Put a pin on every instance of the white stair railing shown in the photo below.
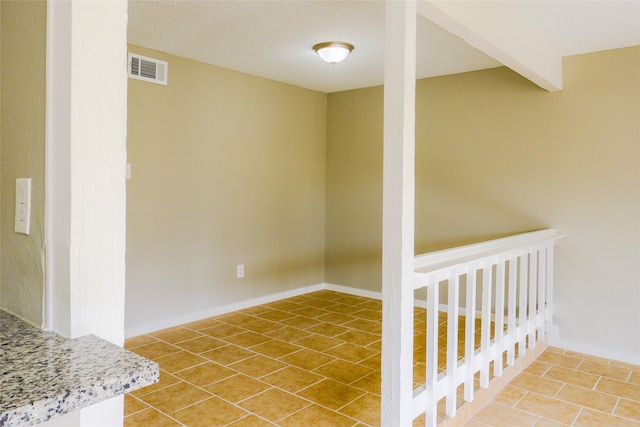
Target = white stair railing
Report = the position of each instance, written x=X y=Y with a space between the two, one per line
x=515 y=278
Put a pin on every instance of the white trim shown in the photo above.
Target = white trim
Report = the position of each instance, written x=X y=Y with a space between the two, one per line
x=216 y=311
x=353 y=291
x=605 y=353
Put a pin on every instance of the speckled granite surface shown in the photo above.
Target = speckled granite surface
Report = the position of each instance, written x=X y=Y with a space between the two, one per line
x=43 y=375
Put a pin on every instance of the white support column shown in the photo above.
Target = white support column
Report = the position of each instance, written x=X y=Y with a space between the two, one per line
x=398 y=213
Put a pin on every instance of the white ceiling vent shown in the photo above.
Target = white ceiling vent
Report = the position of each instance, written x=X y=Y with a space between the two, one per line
x=147 y=69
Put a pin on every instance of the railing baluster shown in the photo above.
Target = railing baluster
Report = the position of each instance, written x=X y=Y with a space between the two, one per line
x=470 y=334
x=511 y=313
x=548 y=312
x=542 y=287
x=433 y=296
x=485 y=335
x=533 y=293
x=522 y=307
x=499 y=322
x=453 y=311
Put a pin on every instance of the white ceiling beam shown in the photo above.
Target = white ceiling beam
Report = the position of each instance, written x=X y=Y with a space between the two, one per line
x=497 y=30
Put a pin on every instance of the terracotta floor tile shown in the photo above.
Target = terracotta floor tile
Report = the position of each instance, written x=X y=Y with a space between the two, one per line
x=292 y=379
x=133 y=405
x=358 y=337
x=205 y=374
x=201 y=344
x=275 y=348
x=274 y=404
x=156 y=350
x=365 y=326
x=311 y=312
x=287 y=305
x=376 y=345
x=227 y=355
x=351 y=352
x=628 y=409
x=341 y=308
x=510 y=396
x=318 y=303
x=175 y=397
x=558 y=359
x=328 y=329
x=365 y=409
x=236 y=318
x=588 y=398
x=133 y=342
x=175 y=335
x=343 y=371
x=571 y=376
x=178 y=361
x=537 y=384
x=635 y=377
x=261 y=326
x=537 y=368
x=368 y=314
x=336 y=318
x=288 y=334
x=202 y=324
x=300 y=322
x=372 y=383
x=605 y=370
x=495 y=414
x=316 y=416
x=237 y=388
x=548 y=407
x=589 y=418
x=318 y=342
x=275 y=315
x=252 y=421
x=371 y=305
x=222 y=330
x=247 y=339
x=331 y=394
x=307 y=359
x=150 y=417
x=166 y=379
x=257 y=366
x=620 y=389
x=212 y=412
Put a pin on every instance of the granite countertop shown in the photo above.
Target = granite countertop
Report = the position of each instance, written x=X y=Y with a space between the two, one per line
x=43 y=374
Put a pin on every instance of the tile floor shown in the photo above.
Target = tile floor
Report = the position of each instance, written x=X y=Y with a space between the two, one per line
x=314 y=360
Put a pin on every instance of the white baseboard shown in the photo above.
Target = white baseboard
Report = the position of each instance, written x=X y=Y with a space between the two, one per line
x=605 y=353
x=216 y=311
x=353 y=291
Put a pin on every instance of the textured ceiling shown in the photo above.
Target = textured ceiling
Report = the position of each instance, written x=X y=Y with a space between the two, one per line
x=273 y=39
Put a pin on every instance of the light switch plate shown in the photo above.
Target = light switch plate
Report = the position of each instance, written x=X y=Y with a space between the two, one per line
x=23 y=205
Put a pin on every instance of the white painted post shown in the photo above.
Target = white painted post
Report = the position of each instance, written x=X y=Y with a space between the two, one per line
x=398 y=213
x=499 y=322
x=522 y=306
x=511 y=313
x=533 y=293
x=542 y=288
x=470 y=334
x=485 y=335
x=433 y=298
x=453 y=312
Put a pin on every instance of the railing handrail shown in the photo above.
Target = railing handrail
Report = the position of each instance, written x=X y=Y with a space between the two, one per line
x=437 y=260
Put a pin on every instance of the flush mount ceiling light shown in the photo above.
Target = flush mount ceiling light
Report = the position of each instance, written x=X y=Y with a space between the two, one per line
x=333 y=52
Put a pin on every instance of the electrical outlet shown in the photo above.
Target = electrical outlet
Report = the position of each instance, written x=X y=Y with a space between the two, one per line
x=23 y=205
x=240 y=271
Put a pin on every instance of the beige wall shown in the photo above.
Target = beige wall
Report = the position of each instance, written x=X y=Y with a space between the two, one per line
x=227 y=169
x=23 y=36
x=496 y=155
